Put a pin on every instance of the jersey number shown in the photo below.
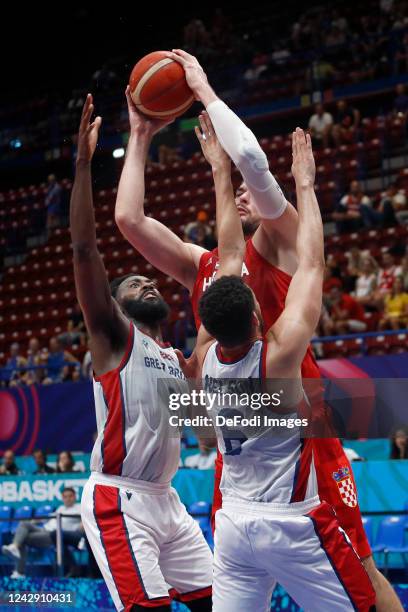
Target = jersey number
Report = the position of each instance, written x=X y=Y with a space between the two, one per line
x=233 y=438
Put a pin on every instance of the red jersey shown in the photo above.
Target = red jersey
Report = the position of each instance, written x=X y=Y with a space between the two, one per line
x=270 y=285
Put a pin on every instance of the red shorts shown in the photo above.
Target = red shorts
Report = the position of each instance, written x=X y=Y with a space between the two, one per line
x=336 y=486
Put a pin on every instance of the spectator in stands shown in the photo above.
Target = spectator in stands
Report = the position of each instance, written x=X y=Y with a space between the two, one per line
x=12 y=375
x=259 y=66
x=386 y=275
x=33 y=361
x=320 y=126
x=331 y=279
x=65 y=463
x=346 y=122
x=40 y=459
x=355 y=260
x=56 y=362
x=320 y=74
x=366 y=283
x=30 y=533
x=346 y=314
x=351 y=210
x=395 y=315
x=195 y=230
x=280 y=55
x=399 y=444
x=53 y=202
x=398 y=201
x=75 y=333
x=204 y=460
x=9 y=467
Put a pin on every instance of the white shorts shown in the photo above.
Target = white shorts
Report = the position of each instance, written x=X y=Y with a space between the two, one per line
x=148 y=548
x=307 y=553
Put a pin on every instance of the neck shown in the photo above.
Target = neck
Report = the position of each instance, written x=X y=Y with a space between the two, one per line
x=236 y=351
x=154 y=331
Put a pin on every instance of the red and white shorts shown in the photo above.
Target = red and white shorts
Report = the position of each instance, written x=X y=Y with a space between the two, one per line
x=148 y=548
x=303 y=548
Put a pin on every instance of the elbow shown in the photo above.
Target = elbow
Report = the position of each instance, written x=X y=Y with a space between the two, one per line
x=251 y=156
x=127 y=223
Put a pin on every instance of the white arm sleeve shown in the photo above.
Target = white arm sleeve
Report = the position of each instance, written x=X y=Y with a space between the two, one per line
x=244 y=149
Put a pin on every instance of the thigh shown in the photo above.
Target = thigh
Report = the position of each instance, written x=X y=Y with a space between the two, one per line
x=126 y=552
x=186 y=559
x=322 y=571
x=39 y=538
x=239 y=584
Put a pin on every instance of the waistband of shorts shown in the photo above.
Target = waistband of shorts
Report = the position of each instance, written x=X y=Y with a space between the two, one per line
x=142 y=486
x=268 y=508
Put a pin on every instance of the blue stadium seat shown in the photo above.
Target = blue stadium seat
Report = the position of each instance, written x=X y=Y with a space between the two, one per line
x=43 y=512
x=391 y=538
x=368 y=528
x=5 y=514
x=24 y=512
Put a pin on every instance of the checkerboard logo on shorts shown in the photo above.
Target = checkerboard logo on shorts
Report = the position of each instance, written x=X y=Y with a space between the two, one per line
x=346 y=487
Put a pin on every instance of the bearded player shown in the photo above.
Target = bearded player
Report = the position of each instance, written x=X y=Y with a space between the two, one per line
x=272 y=526
x=270 y=224
x=148 y=548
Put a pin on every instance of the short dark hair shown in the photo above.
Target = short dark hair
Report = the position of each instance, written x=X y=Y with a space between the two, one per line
x=115 y=284
x=226 y=309
x=68 y=490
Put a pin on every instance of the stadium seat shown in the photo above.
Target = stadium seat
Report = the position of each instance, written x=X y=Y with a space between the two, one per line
x=368 y=528
x=5 y=516
x=43 y=511
x=391 y=538
x=23 y=512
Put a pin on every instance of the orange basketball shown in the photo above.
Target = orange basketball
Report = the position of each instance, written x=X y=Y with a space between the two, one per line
x=159 y=88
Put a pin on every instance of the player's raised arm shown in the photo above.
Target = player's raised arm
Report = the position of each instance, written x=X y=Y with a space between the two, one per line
x=231 y=243
x=293 y=330
x=107 y=327
x=242 y=146
x=158 y=244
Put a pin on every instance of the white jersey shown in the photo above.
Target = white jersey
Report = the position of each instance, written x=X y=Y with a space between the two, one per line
x=135 y=439
x=258 y=464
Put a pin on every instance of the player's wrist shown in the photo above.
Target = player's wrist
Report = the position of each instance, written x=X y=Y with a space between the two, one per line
x=220 y=168
x=205 y=94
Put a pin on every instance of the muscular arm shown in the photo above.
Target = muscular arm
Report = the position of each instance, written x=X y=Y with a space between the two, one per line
x=107 y=327
x=276 y=235
x=158 y=244
x=231 y=242
x=291 y=334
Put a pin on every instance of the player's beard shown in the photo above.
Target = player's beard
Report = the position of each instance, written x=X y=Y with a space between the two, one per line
x=149 y=312
x=249 y=227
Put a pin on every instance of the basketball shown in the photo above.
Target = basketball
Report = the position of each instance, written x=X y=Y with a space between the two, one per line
x=159 y=88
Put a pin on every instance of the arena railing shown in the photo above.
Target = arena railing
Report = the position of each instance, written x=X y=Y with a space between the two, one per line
x=363 y=336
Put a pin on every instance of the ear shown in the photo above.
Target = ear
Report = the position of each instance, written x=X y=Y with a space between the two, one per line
x=255 y=320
